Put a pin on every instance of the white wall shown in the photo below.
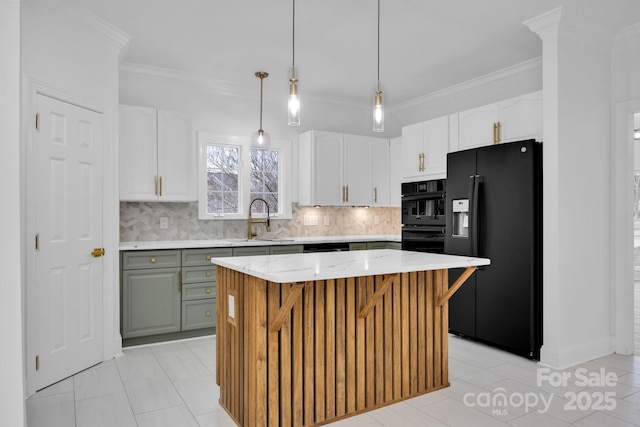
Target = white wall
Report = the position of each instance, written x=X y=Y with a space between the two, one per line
x=577 y=301
x=626 y=102
x=72 y=55
x=11 y=356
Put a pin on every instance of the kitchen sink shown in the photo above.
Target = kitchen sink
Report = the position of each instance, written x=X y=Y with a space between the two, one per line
x=275 y=240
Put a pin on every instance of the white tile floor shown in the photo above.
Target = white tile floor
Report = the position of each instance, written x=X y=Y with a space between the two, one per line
x=173 y=385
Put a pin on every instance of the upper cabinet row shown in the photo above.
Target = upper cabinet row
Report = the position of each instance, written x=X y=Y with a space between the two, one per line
x=337 y=169
x=157 y=155
x=425 y=145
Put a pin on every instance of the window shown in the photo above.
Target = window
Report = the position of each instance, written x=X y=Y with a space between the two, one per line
x=222 y=179
x=226 y=187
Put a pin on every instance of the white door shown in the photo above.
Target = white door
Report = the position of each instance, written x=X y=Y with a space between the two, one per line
x=67 y=294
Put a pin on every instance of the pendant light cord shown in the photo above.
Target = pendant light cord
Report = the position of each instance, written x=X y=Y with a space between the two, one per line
x=293 y=37
x=261 y=79
x=378 y=43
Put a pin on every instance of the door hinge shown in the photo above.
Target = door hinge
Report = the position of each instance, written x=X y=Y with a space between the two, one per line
x=37 y=242
x=37 y=363
x=37 y=120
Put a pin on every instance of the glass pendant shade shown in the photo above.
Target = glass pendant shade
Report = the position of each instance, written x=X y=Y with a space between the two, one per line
x=294 y=101
x=261 y=139
x=378 y=111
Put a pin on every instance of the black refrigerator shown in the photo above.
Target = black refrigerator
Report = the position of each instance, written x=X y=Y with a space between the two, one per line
x=494 y=210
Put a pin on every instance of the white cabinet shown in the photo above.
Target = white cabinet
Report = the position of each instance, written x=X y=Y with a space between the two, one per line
x=380 y=172
x=395 y=171
x=357 y=170
x=513 y=119
x=157 y=155
x=424 y=149
x=338 y=170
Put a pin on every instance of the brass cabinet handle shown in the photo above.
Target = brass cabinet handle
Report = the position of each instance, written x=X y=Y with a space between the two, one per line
x=343 y=193
x=208 y=257
x=161 y=186
x=495 y=134
x=499 y=132
x=152 y=260
x=375 y=194
x=97 y=252
x=347 y=198
x=208 y=314
x=179 y=282
x=419 y=162
x=208 y=274
x=155 y=185
x=208 y=291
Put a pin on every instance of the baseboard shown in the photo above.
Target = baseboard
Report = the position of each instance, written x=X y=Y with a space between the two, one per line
x=566 y=357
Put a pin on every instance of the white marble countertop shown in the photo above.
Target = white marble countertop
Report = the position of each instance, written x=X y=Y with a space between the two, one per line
x=336 y=265
x=186 y=244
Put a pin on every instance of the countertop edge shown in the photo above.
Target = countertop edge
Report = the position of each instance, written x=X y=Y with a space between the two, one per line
x=338 y=265
x=225 y=243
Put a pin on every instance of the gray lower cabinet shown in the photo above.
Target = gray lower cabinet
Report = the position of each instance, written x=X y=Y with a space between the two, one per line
x=171 y=291
x=199 y=287
x=285 y=249
x=150 y=293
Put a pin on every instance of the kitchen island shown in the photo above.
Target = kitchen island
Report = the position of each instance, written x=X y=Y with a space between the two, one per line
x=306 y=339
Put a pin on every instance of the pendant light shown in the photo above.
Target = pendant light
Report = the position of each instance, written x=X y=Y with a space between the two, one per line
x=294 y=99
x=378 y=108
x=261 y=139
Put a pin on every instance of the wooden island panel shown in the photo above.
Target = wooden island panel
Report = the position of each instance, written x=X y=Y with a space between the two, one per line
x=308 y=353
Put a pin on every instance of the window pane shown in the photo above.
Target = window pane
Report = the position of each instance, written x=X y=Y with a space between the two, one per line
x=264 y=179
x=222 y=179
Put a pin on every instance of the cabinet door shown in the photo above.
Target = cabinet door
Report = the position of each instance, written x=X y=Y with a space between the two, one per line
x=150 y=302
x=198 y=314
x=475 y=126
x=412 y=149
x=176 y=157
x=327 y=169
x=357 y=170
x=138 y=155
x=521 y=117
x=436 y=145
x=380 y=171
x=395 y=171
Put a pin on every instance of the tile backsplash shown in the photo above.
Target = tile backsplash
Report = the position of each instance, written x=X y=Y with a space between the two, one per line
x=140 y=221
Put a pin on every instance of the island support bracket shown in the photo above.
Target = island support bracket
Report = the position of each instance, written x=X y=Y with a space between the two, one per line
x=452 y=290
x=384 y=287
x=285 y=309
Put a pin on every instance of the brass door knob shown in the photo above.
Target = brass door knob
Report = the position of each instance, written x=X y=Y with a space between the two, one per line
x=97 y=252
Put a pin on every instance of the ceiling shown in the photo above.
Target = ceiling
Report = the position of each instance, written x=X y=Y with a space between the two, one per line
x=425 y=45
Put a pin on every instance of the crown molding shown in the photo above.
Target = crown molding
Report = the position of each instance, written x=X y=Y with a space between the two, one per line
x=130 y=70
x=112 y=37
x=627 y=35
x=528 y=66
x=141 y=71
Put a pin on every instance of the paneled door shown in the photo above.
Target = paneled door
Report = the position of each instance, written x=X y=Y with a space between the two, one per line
x=65 y=303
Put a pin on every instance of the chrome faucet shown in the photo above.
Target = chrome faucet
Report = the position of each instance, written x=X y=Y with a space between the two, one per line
x=267 y=222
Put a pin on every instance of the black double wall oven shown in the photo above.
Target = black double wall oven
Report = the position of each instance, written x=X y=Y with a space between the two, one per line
x=423 y=216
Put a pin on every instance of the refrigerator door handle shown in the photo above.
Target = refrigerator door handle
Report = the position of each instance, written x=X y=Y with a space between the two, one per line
x=472 y=204
x=474 y=231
